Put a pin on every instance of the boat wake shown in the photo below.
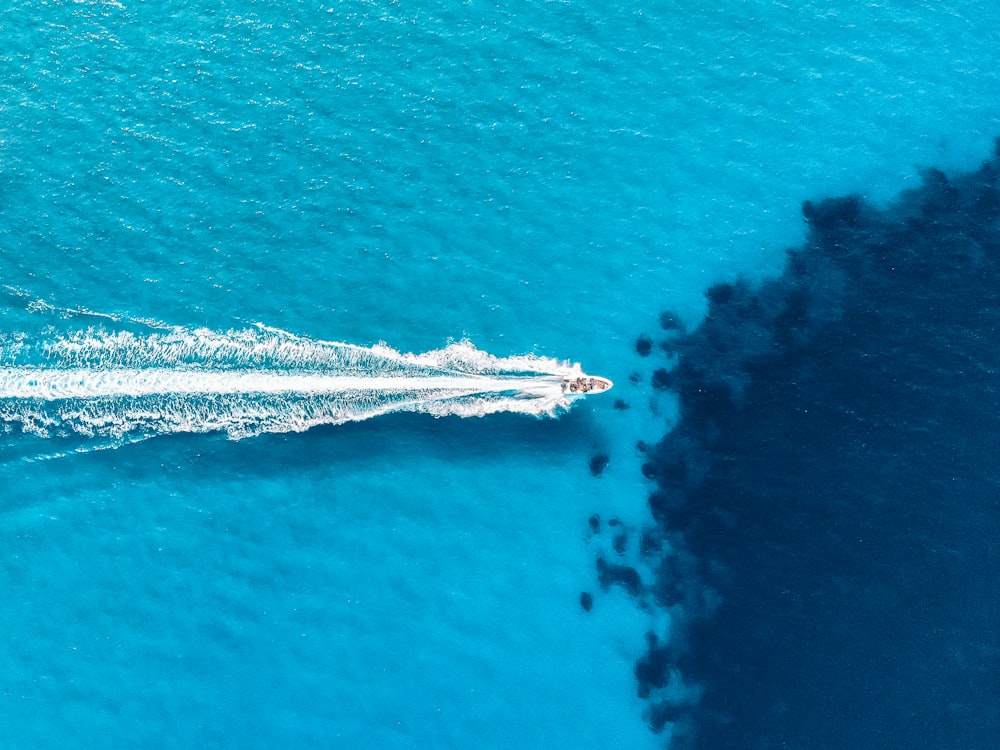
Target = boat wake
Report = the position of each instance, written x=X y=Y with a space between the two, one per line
x=110 y=382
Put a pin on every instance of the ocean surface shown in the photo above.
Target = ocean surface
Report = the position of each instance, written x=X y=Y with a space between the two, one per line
x=221 y=223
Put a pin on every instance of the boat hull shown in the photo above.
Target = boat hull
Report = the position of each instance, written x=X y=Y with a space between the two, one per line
x=585 y=385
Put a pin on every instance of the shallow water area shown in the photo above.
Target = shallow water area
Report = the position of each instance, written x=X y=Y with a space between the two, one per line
x=366 y=579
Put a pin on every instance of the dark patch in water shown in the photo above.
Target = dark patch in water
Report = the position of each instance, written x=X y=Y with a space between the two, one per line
x=653 y=669
x=662 y=379
x=649 y=544
x=609 y=574
x=620 y=404
x=833 y=475
x=643 y=346
x=620 y=543
x=586 y=601
x=670 y=322
x=598 y=464
x=595 y=523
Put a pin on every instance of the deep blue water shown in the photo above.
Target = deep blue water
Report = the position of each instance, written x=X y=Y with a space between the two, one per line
x=832 y=476
x=544 y=178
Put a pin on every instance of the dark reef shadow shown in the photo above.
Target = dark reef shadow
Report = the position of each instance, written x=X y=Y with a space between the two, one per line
x=833 y=475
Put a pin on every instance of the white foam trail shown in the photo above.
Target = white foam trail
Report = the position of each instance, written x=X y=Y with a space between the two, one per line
x=116 y=383
x=53 y=385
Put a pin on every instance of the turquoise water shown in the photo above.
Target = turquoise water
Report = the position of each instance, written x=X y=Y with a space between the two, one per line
x=538 y=178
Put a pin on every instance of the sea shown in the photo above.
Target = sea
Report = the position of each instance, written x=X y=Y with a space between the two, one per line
x=225 y=224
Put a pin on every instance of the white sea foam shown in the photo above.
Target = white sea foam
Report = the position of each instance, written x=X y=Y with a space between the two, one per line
x=100 y=382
